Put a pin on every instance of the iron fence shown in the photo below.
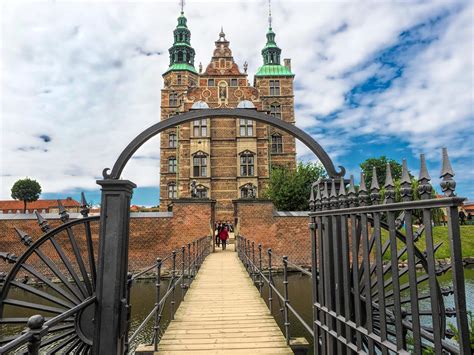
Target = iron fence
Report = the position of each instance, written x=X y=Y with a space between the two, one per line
x=375 y=276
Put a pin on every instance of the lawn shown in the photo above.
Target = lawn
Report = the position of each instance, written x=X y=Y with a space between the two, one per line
x=440 y=234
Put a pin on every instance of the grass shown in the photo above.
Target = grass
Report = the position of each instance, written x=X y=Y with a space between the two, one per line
x=440 y=235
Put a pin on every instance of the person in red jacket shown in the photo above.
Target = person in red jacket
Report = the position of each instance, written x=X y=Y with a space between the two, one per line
x=223 y=236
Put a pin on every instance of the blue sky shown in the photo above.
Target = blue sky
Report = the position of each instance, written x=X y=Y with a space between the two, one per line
x=80 y=80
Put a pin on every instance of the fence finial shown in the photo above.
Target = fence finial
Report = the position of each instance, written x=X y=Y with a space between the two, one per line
x=405 y=183
x=325 y=196
x=333 y=197
x=374 y=187
x=311 y=198
x=317 y=202
x=363 y=195
x=342 y=193
x=351 y=193
x=24 y=237
x=42 y=222
x=448 y=185
x=84 y=208
x=389 y=186
x=424 y=186
x=64 y=216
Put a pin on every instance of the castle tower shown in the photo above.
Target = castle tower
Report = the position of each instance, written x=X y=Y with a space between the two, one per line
x=224 y=158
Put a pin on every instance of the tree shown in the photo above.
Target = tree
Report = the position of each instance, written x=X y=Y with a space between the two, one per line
x=289 y=189
x=26 y=190
x=381 y=167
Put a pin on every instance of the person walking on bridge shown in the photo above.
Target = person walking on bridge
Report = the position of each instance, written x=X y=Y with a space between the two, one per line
x=223 y=236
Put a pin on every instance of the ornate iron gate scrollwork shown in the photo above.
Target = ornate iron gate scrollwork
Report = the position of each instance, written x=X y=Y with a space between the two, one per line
x=56 y=277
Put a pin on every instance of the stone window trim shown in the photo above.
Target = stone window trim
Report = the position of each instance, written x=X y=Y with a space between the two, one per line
x=200 y=128
x=276 y=143
x=211 y=82
x=172 y=190
x=234 y=82
x=246 y=127
x=275 y=110
x=247 y=163
x=274 y=87
x=201 y=191
x=172 y=165
x=179 y=79
x=248 y=190
x=200 y=163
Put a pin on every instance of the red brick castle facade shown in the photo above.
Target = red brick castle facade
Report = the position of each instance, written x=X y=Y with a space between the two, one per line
x=226 y=158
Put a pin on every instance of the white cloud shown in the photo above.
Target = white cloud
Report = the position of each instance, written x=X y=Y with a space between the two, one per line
x=76 y=72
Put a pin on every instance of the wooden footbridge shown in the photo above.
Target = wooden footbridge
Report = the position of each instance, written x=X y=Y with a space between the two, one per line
x=222 y=312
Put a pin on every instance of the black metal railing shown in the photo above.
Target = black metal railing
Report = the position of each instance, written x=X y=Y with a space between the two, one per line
x=263 y=275
x=185 y=263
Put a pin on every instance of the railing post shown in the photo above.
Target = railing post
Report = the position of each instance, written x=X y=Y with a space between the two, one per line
x=248 y=256
x=253 y=261
x=173 y=274
x=285 y=285
x=35 y=325
x=189 y=261
x=183 y=255
x=270 y=280
x=156 y=326
x=194 y=258
x=260 y=282
x=111 y=290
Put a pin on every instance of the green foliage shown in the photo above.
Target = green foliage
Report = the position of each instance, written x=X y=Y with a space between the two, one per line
x=455 y=330
x=381 y=166
x=26 y=190
x=290 y=189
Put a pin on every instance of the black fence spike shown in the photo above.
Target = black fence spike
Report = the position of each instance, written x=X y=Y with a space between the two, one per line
x=406 y=192
x=84 y=207
x=448 y=185
x=64 y=216
x=24 y=237
x=43 y=223
x=8 y=257
x=424 y=186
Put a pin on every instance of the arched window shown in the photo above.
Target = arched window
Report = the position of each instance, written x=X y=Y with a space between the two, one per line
x=246 y=127
x=275 y=110
x=201 y=191
x=245 y=104
x=172 y=165
x=180 y=56
x=172 y=140
x=200 y=164
x=172 y=190
x=248 y=191
x=199 y=105
x=200 y=128
x=246 y=164
x=277 y=144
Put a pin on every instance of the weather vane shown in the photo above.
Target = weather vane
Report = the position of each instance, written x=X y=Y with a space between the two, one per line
x=270 y=13
x=182 y=6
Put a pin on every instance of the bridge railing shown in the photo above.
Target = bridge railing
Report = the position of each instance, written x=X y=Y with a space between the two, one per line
x=260 y=265
x=184 y=263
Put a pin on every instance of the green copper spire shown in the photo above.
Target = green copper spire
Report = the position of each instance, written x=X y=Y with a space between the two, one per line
x=181 y=53
x=271 y=54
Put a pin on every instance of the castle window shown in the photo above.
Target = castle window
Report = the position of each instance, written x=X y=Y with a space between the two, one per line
x=274 y=87
x=201 y=192
x=200 y=165
x=173 y=99
x=275 y=110
x=246 y=164
x=233 y=82
x=178 y=79
x=172 y=190
x=172 y=165
x=200 y=128
x=172 y=140
x=246 y=127
x=180 y=56
x=248 y=191
x=210 y=82
x=277 y=144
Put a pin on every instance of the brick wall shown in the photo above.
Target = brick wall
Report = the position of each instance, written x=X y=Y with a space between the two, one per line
x=152 y=235
x=286 y=233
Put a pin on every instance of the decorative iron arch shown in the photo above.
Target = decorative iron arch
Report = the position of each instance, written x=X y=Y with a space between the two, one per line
x=211 y=113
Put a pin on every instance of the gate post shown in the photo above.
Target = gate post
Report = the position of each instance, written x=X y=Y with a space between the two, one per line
x=111 y=308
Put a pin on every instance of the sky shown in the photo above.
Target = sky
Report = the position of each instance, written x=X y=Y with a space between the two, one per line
x=79 y=80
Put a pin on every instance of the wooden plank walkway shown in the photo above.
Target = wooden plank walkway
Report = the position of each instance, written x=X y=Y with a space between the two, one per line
x=223 y=313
